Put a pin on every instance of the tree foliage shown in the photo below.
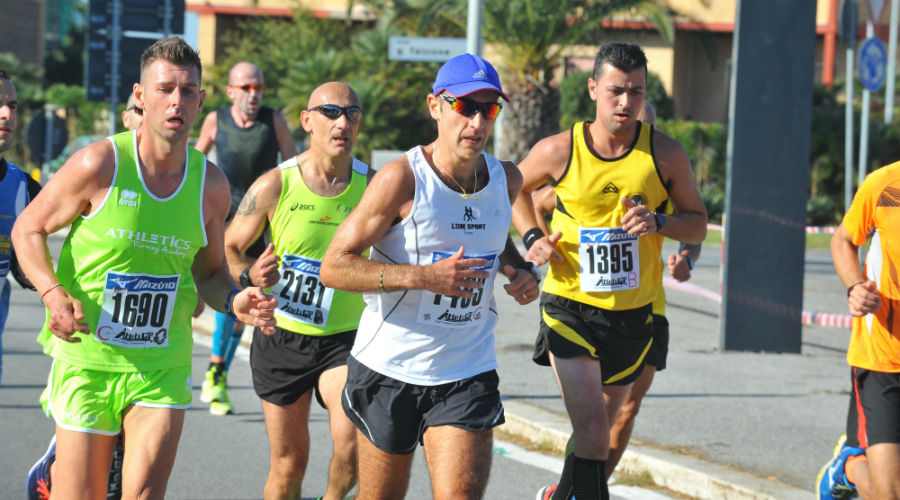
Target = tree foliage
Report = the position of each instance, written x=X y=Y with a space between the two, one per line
x=526 y=39
x=392 y=92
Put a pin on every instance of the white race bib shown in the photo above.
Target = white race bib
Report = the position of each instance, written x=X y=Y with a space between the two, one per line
x=609 y=260
x=456 y=312
x=301 y=295
x=137 y=309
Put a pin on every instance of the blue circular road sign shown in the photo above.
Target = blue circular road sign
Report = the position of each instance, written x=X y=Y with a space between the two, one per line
x=872 y=64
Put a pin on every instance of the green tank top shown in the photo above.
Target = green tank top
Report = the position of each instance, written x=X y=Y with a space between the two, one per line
x=129 y=264
x=303 y=225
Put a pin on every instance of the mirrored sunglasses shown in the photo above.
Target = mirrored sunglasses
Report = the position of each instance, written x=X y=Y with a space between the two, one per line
x=468 y=107
x=334 y=112
x=251 y=86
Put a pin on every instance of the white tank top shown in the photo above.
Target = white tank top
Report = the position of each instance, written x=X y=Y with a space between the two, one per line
x=416 y=336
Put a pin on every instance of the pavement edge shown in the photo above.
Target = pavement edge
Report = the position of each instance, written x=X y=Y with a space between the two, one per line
x=687 y=475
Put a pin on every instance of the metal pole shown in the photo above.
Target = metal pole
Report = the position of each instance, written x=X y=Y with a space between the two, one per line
x=864 y=120
x=473 y=28
x=848 y=132
x=115 y=36
x=48 y=140
x=167 y=19
x=891 y=64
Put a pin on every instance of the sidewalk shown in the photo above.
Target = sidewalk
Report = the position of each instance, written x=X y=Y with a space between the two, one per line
x=715 y=425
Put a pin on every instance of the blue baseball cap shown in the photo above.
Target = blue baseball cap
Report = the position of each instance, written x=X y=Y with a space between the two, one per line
x=465 y=74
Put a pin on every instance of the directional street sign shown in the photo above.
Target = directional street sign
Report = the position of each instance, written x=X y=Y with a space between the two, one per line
x=872 y=64
x=425 y=49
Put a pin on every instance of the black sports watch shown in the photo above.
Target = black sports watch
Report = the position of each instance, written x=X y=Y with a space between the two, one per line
x=660 y=221
x=245 y=278
x=531 y=268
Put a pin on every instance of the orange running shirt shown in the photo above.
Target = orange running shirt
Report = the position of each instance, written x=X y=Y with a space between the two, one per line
x=875 y=213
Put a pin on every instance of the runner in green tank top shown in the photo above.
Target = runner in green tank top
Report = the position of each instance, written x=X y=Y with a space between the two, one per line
x=304 y=201
x=119 y=303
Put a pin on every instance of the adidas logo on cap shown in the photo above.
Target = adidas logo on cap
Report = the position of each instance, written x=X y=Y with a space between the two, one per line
x=480 y=75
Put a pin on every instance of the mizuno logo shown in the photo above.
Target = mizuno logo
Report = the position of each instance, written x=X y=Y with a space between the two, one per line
x=122 y=282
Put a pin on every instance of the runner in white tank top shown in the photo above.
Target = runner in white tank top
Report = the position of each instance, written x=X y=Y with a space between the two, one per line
x=424 y=338
x=422 y=366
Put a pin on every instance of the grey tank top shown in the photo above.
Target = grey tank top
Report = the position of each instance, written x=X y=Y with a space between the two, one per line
x=245 y=153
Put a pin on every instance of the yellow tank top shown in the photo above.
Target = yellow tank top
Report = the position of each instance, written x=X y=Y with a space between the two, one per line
x=602 y=265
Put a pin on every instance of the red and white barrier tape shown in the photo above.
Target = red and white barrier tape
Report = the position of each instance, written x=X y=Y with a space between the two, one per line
x=807 y=318
x=828 y=319
x=820 y=229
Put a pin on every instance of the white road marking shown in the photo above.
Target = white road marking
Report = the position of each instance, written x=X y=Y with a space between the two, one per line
x=555 y=465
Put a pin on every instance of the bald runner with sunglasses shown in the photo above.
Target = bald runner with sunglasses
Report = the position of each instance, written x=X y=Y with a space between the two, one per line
x=302 y=202
x=423 y=368
x=247 y=137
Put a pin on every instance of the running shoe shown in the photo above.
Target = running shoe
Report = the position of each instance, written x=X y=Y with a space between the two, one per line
x=38 y=483
x=546 y=492
x=213 y=386
x=221 y=407
x=832 y=482
x=114 y=484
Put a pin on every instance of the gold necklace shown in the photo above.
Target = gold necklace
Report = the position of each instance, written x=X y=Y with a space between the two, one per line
x=464 y=194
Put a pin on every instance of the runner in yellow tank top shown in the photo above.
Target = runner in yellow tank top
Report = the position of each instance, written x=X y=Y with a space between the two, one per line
x=596 y=314
x=303 y=201
x=137 y=384
x=680 y=265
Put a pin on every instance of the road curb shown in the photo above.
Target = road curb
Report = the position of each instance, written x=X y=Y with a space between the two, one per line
x=687 y=475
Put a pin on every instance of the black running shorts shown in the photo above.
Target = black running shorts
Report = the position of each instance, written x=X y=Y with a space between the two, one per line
x=620 y=340
x=287 y=364
x=659 y=349
x=394 y=415
x=874 y=415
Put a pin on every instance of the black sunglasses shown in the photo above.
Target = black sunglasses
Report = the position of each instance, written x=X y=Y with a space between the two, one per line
x=334 y=112
x=135 y=109
x=468 y=107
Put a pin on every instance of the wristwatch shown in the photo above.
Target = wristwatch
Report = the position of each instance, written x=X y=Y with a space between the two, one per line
x=245 y=278
x=660 y=221
x=531 y=268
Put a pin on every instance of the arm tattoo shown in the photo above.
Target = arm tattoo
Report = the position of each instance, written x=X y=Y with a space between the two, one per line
x=248 y=204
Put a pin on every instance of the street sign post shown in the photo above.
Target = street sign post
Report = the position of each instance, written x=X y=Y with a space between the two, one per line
x=425 y=49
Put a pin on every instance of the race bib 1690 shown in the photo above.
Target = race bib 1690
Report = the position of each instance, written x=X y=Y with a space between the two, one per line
x=137 y=309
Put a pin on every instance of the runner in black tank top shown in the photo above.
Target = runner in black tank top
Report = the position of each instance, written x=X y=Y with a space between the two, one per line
x=247 y=137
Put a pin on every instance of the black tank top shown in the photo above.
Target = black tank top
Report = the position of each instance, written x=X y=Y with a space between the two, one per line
x=245 y=153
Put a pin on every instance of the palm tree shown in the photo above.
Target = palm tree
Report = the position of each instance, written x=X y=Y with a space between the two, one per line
x=528 y=38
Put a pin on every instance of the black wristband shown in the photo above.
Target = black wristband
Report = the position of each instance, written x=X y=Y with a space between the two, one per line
x=245 y=278
x=531 y=236
x=690 y=262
